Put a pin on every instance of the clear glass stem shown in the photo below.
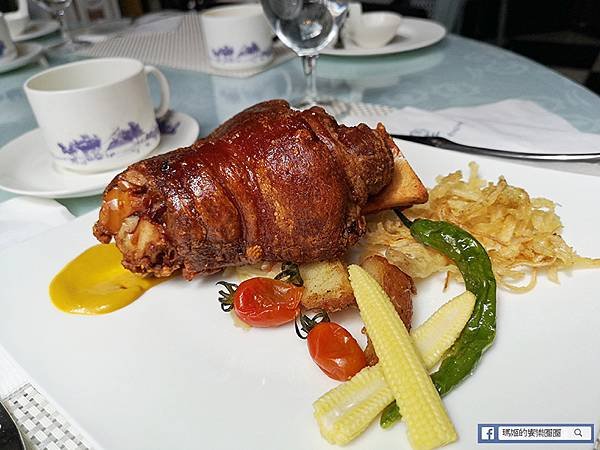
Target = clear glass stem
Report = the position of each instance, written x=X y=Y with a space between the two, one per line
x=64 y=29
x=309 y=64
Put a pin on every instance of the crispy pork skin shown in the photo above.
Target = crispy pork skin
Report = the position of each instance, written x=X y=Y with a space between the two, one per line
x=270 y=184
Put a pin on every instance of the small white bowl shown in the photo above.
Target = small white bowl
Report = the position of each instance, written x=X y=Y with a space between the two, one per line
x=376 y=29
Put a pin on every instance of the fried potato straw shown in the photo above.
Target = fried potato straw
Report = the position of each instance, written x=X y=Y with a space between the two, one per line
x=521 y=234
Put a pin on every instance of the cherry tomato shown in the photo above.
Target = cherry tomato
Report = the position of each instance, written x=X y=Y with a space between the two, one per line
x=335 y=351
x=264 y=302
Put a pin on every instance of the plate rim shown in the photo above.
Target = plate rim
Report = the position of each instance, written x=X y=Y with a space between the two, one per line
x=31 y=50
x=389 y=49
x=47 y=26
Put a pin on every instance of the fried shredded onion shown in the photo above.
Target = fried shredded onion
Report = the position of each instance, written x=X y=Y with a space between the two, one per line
x=242 y=273
x=521 y=234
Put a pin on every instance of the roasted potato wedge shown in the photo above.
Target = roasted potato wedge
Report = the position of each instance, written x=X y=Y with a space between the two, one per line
x=398 y=286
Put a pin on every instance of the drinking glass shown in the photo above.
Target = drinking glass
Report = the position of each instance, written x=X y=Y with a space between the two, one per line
x=307 y=27
x=58 y=8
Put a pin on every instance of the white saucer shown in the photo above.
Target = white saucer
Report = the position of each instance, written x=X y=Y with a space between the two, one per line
x=26 y=166
x=27 y=52
x=36 y=29
x=412 y=34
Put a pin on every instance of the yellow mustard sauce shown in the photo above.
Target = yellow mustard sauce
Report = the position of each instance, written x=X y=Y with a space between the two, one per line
x=95 y=282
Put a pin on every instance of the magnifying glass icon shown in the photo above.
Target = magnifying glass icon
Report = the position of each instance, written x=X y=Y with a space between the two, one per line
x=577 y=432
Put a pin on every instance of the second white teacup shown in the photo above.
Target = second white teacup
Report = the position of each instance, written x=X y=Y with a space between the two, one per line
x=8 y=51
x=237 y=37
x=97 y=115
x=17 y=20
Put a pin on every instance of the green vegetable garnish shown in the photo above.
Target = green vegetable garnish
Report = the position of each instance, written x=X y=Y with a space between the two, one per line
x=474 y=264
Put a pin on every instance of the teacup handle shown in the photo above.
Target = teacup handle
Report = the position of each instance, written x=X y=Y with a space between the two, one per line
x=165 y=91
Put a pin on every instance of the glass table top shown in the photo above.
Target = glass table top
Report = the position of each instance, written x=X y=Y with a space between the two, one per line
x=455 y=72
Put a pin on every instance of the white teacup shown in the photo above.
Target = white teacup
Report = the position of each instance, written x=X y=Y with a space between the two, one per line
x=97 y=114
x=237 y=37
x=17 y=20
x=8 y=51
x=353 y=20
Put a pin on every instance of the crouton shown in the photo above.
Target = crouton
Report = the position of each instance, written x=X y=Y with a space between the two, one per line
x=326 y=286
x=404 y=190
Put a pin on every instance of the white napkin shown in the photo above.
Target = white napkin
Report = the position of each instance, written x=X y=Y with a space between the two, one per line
x=24 y=217
x=12 y=377
x=517 y=125
x=20 y=219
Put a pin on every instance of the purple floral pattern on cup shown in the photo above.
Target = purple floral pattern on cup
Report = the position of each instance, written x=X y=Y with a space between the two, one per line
x=225 y=52
x=165 y=125
x=153 y=133
x=88 y=147
x=80 y=151
x=251 y=49
x=248 y=52
x=124 y=136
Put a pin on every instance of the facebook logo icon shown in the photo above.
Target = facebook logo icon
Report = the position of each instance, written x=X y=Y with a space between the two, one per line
x=487 y=433
x=535 y=433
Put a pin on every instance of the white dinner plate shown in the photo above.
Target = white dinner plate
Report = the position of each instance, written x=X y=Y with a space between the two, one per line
x=26 y=166
x=172 y=371
x=27 y=52
x=412 y=35
x=36 y=29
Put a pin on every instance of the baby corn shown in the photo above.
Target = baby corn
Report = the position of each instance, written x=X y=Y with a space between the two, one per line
x=347 y=410
x=428 y=423
x=439 y=332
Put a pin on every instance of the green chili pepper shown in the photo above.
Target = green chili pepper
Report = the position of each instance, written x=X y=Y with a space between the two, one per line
x=474 y=264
